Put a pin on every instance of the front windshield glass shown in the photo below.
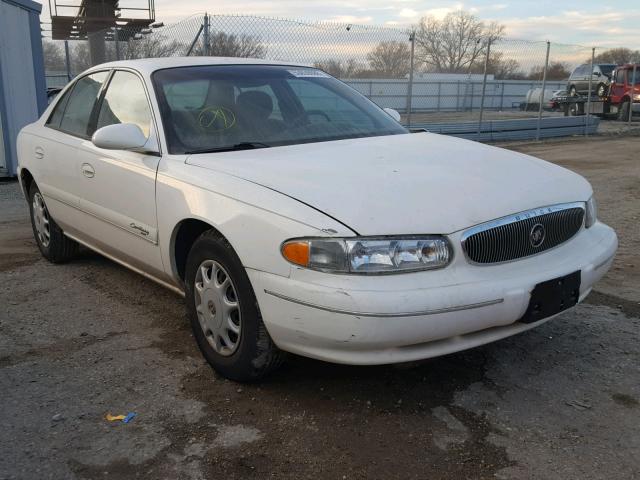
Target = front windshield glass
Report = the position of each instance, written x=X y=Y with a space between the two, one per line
x=607 y=69
x=209 y=108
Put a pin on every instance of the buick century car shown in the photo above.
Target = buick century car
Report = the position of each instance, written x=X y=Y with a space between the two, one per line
x=297 y=216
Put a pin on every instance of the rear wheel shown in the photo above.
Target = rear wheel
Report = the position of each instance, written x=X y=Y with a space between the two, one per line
x=572 y=91
x=224 y=313
x=53 y=244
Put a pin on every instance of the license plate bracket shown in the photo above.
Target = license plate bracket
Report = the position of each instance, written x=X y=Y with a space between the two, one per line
x=552 y=297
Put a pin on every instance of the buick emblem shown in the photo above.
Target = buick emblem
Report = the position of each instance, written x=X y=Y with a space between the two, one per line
x=536 y=235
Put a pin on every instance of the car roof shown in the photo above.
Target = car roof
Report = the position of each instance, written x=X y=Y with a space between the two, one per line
x=150 y=65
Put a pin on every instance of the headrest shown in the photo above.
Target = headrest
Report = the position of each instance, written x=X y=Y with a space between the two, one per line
x=255 y=103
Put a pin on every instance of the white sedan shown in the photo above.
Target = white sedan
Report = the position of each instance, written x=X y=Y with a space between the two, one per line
x=297 y=216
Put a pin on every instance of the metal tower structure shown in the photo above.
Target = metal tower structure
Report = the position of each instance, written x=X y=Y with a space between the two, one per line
x=90 y=19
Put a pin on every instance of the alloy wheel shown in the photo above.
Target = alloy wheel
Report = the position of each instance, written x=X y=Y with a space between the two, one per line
x=217 y=307
x=41 y=220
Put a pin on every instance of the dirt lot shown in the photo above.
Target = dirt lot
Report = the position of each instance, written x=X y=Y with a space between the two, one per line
x=80 y=340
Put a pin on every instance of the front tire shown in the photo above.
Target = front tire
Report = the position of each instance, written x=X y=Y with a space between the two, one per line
x=51 y=240
x=623 y=111
x=224 y=313
x=572 y=91
x=601 y=91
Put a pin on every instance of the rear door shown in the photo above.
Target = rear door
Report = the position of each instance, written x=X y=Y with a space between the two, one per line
x=55 y=152
x=118 y=186
x=582 y=82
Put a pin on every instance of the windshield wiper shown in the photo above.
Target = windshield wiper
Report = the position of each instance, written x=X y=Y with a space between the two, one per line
x=230 y=148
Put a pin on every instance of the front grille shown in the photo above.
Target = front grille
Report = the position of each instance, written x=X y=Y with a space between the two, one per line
x=522 y=234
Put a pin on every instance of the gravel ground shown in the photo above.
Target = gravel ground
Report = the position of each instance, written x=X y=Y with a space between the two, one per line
x=88 y=338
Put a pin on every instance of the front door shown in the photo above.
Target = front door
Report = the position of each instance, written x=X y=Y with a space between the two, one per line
x=618 y=86
x=118 y=193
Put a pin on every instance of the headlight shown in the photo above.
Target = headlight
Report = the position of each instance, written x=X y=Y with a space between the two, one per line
x=636 y=97
x=369 y=255
x=591 y=213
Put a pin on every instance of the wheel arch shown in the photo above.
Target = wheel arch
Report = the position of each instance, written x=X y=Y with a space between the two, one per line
x=183 y=236
x=26 y=180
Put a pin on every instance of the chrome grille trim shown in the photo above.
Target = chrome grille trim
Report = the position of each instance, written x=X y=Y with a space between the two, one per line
x=484 y=244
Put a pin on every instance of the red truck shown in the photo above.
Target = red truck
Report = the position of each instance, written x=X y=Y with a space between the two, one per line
x=623 y=94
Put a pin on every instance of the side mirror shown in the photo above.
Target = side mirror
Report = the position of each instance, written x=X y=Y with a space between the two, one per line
x=120 y=136
x=597 y=74
x=393 y=114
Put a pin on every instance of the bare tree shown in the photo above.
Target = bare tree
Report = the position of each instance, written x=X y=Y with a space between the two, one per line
x=619 y=56
x=53 y=56
x=555 y=71
x=151 y=46
x=80 y=56
x=456 y=43
x=340 y=69
x=223 y=44
x=499 y=67
x=390 y=59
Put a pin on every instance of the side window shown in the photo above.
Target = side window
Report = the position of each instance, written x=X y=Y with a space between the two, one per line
x=58 y=110
x=620 y=76
x=125 y=102
x=77 y=114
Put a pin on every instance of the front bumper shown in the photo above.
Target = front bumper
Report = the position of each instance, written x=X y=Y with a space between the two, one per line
x=398 y=318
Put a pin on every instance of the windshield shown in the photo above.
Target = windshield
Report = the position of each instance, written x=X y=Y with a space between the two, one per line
x=223 y=107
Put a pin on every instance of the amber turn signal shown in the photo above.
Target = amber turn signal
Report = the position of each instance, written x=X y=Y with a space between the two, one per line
x=296 y=252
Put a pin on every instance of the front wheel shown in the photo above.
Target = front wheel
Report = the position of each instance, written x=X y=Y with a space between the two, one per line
x=224 y=313
x=623 y=111
x=601 y=91
x=51 y=240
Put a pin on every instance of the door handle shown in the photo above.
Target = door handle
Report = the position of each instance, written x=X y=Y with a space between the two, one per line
x=87 y=170
x=39 y=153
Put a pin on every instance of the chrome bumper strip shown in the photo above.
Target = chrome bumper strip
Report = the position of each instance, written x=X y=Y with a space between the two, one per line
x=386 y=315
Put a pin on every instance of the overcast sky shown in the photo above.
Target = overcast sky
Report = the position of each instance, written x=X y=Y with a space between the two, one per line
x=586 y=22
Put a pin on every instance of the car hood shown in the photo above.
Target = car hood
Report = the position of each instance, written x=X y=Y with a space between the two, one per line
x=404 y=184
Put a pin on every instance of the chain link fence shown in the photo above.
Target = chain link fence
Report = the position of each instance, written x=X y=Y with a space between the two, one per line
x=490 y=80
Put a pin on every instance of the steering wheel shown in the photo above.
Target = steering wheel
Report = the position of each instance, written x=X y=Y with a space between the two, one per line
x=319 y=113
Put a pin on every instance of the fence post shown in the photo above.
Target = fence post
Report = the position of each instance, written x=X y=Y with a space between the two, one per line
x=195 y=39
x=206 y=35
x=412 y=39
x=115 y=39
x=544 y=86
x=67 y=59
x=484 y=86
x=586 y=122
x=633 y=84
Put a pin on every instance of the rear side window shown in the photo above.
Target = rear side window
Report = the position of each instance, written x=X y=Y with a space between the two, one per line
x=77 y=111
x=58 y=110
x=125 y=102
